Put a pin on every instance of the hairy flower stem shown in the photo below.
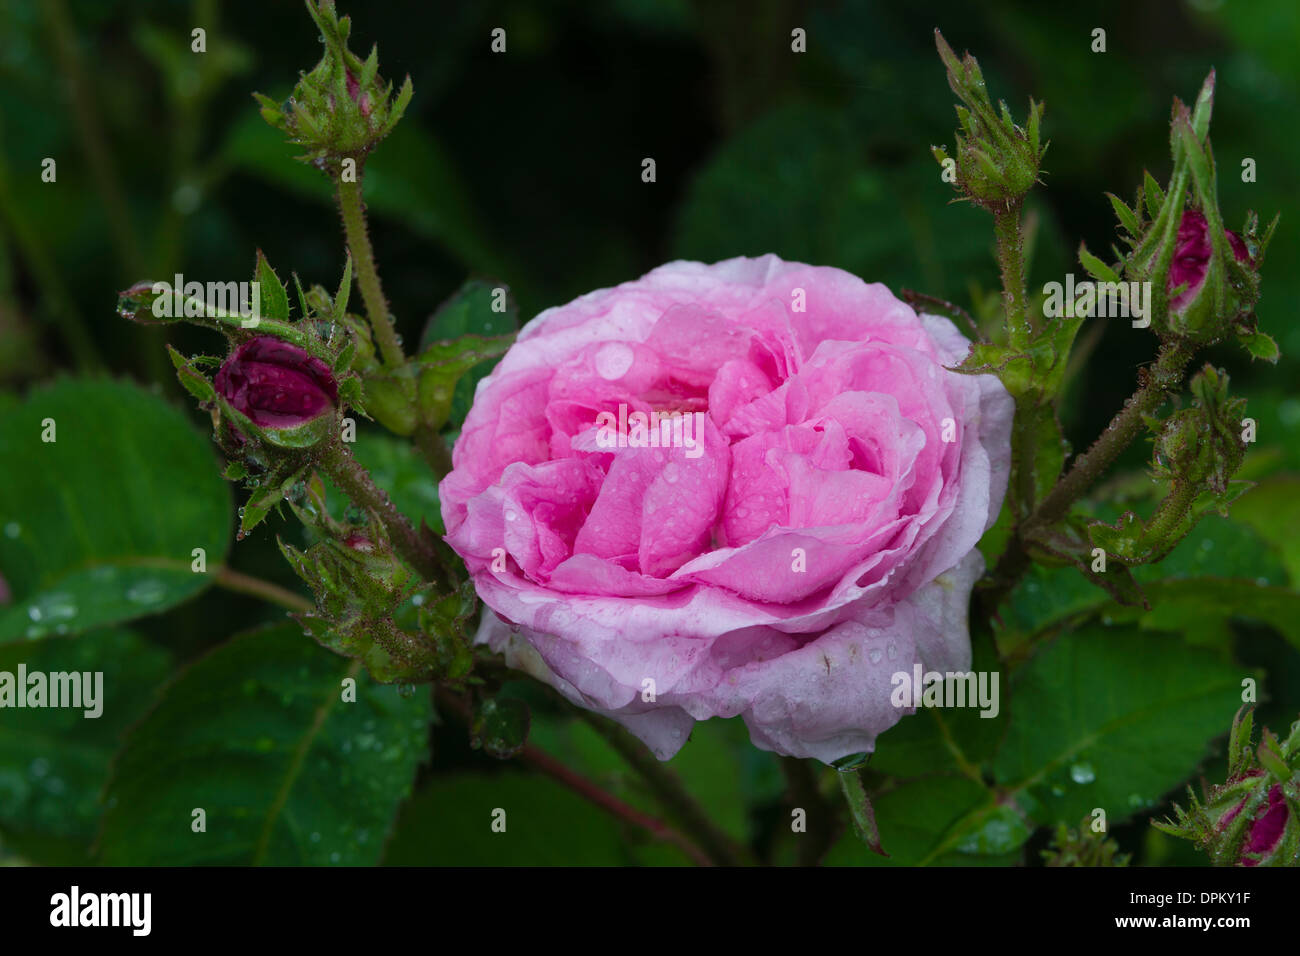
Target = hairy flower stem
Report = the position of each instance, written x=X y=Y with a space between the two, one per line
x=1024 y=434
x=669 y=791
x=1156 y=382
x=1011 y=259
x=363 y=259
x=355 y=482
x=1162 y=377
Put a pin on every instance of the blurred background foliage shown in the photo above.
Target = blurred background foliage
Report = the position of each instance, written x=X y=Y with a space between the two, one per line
x=525 y=167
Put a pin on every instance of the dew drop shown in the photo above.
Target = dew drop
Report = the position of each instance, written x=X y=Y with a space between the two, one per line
x=1083 y=773
x=13 y=529
x=148 y=591
x=613 y=360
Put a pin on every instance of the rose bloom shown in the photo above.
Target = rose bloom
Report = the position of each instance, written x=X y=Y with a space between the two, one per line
x=805 y=537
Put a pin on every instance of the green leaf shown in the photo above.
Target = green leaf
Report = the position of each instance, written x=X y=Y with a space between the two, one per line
x=1127 y=217
x=1155 y=196
x=470 y=311
x=924 y=821
x=475 y=310
x=1261 y=345
x=54 y=761
x=195 y=383
x=1087 y=709
x=449 y=823
x=1094 y=266
x=288 y=772
x=1272 y=509
x=443 y=365
x=100 y=525
x=275 y=299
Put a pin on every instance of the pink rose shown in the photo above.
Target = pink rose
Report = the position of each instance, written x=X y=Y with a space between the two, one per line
x=805 y=536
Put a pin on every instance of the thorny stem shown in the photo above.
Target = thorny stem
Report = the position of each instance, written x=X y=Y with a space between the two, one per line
x=355 y=482
x=586 y=789
x=363 y=259
x=1157 y=381
x=233 y=580
x=670 y=792
x=1011 y=259
x=823 y=822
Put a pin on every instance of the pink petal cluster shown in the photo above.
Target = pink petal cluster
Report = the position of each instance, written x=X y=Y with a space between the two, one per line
x=1192 y=252
x=818 y=537
x=276 y=384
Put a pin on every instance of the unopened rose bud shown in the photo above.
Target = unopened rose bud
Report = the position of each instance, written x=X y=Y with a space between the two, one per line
x=280 y=389
x=360 y=98
x=1267 y=829
x=1253 y=818
x=1191 y=263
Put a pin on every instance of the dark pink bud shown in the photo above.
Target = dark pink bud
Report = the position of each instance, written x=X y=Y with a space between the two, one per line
x=1192 y=257
x=354 y=91
x=275 y=384
x=1266 y=831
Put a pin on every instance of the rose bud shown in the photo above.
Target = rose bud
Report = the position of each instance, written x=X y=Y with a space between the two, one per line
x=1267 y=829
x=1253 y=818
x=1193 y=280
x=287 y=395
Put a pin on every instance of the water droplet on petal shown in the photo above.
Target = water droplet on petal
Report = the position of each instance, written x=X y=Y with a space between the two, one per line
x=613 y=360
x=1083 y=773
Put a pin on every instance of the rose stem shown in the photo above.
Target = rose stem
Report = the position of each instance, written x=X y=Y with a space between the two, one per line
x=823 y=822
x=233 y=580
x=585 y=788
x=355 y=482
x=669 y=791
x=1164 y=376
x=363 y=259
x=1011 y=259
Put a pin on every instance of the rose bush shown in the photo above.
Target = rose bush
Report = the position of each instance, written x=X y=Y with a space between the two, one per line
x=821 y=541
